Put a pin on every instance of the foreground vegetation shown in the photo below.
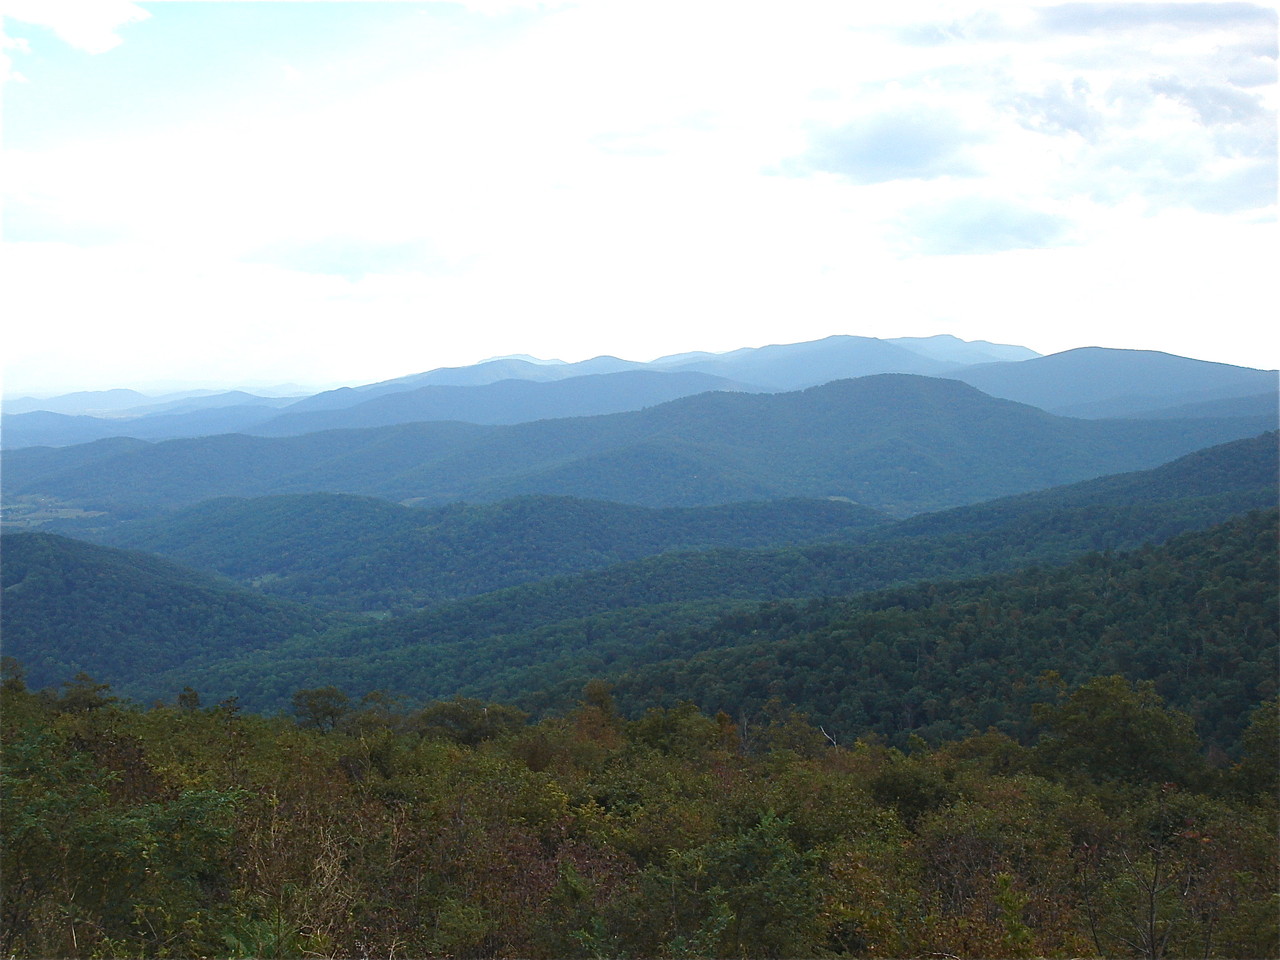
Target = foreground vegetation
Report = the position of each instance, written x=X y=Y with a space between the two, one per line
x=461 y=830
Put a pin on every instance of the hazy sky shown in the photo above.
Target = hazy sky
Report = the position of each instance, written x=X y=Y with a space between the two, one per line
x=323 y=192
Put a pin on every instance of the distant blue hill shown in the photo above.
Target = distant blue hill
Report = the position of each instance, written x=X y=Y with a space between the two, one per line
x=504 y=402
x=794 y=366
x=1091 y=383
x=899 y=443
x=1096 y=382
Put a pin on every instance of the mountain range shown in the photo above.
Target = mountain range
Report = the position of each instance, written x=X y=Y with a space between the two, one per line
x=556 y=625
x=898 y=443
x=1089 y=382
x=518 y=525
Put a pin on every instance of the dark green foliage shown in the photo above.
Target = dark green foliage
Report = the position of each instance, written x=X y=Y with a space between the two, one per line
x=87 y=827
x=320 y=708
x=452 y=655
x=360 y=553
x=1259 y=768
x=1109 y=730
x=82 y=693
x=752 y=893
x=1073 y=759
x=538 y=643
x=1197 y=617
x=467 y=721
x=349 y=551
x=71 y=606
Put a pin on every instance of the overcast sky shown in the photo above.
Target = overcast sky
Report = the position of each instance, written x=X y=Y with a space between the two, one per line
x=324 y=192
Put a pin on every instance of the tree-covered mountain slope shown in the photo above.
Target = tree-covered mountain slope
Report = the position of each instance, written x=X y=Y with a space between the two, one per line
x=625 y=613
x=348 y=552
x=899 y=443
x=71 y=606
x=1197 y=616
x=546 y=628
x=1112 y=513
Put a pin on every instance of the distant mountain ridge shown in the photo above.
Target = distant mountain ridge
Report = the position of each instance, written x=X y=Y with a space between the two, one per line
x=1090 y=382
x=475 y=397
x=795 y=366
x=504 y=401
x=1099 y=382
x=944 y=346
x=899 y=443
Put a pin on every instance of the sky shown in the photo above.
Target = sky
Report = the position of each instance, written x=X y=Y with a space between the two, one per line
x=254 y=193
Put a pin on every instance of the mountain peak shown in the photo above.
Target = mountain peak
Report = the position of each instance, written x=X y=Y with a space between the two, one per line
x=523 y=356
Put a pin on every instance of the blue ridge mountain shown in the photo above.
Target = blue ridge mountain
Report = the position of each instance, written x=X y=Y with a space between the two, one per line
x=210 y=401
x=898 y=443
x=82 y=401
x=1097 y=382
x=946 y=347
x=504 y=401
x=475 y=375
x=794 y=366
x=783 y=366
x=1091 y=383
x=42 y=428
x=1258 y=403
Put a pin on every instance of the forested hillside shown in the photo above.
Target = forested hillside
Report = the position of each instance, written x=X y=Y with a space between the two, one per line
x=521 y=641
x=1197 y=616
x=70 y=606
x=360 y=553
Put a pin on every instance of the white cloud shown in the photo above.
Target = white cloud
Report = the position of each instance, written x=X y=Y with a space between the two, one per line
x=89 y=25
x=981 y=225
x=920 y=143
